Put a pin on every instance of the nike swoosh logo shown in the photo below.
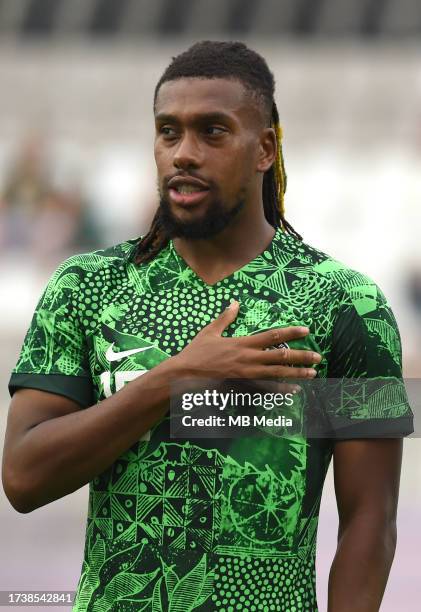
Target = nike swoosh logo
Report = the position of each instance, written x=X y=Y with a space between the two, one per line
x=111 y=355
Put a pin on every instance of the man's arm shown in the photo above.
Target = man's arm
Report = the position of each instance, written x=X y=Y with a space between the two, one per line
x=366 y=475
x=53 y=448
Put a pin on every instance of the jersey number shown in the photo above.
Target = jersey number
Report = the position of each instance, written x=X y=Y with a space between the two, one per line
x=121 y=378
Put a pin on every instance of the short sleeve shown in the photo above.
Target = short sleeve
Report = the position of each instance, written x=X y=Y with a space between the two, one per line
x=365 y=366
x=54 y=354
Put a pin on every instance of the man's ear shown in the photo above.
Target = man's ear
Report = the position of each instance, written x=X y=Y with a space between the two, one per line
x=267 y=150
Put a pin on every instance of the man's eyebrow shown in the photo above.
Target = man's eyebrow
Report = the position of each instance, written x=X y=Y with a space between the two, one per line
x=216 y=116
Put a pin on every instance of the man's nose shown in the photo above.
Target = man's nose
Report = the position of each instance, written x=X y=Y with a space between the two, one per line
x=188 y=153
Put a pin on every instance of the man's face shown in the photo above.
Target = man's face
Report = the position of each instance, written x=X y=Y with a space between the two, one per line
x=207 y=154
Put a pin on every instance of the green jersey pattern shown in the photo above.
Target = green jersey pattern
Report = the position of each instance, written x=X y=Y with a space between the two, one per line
x=183 y=525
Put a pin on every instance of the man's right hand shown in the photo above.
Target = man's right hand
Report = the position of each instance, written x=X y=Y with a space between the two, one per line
x=211 y=355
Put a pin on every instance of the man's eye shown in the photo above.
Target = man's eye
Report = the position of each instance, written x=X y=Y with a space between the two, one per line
x=167 y=131
x=214 y=130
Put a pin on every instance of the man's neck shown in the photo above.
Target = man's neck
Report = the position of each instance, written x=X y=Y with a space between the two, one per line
x=215 y=258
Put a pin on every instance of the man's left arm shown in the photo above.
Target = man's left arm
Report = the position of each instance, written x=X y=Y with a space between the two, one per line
x=366 y=476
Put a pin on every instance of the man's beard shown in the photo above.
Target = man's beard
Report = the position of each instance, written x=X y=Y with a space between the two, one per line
x=215 y=219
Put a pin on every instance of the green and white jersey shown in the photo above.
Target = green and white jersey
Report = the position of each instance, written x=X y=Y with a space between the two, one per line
x=203 y=524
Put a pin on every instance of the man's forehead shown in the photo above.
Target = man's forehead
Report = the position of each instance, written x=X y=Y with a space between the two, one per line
x=203 y=96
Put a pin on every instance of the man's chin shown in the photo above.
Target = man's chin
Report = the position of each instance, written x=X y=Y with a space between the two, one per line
x=193 y=231
x=206 y=223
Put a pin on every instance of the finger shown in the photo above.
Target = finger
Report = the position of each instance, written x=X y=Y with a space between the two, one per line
x=288 y=356
x=227 y=316
x=273 y=371
x=273 y=386
x=274 y=336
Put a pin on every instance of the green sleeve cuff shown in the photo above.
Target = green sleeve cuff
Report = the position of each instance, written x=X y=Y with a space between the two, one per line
x=77 y=388
x=399 y=427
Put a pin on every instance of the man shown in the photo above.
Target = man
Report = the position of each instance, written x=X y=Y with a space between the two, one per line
x=196 y=524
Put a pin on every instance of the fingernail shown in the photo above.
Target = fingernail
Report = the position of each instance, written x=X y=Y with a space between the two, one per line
x=233 y=304
x=316 y=358
x=312 y=372
x=304 y=330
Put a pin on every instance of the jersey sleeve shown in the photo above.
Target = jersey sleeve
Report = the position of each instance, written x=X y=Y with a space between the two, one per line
x=367 y=395
x=54 y=355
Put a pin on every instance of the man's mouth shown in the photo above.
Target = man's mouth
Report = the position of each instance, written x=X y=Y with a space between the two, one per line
x=188 y=188
x=187 y=191
x=187 y=197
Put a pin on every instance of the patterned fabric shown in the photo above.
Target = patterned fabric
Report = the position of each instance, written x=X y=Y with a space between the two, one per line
x=227 y=524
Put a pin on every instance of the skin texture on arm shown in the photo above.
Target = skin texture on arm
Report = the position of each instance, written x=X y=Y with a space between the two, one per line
x=366 y=475
x=53 y=447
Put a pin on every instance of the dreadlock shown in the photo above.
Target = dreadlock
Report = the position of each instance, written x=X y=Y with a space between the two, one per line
x=231 y=60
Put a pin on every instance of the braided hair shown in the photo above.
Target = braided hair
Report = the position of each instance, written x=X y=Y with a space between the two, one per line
x=231 y=60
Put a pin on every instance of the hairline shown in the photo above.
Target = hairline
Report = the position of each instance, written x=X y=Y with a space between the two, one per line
x=257 y=99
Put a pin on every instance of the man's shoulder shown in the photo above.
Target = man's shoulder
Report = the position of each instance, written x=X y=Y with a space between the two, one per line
x=99 y=259
x=79 y=267
x=318 y=263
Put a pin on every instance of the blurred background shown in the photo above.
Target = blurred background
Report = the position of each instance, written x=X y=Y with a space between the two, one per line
x=77 y=173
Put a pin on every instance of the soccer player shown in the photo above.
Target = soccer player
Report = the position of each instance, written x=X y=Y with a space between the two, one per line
x=179 y=524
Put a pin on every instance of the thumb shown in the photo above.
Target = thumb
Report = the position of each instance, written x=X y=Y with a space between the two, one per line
x=226 y=317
